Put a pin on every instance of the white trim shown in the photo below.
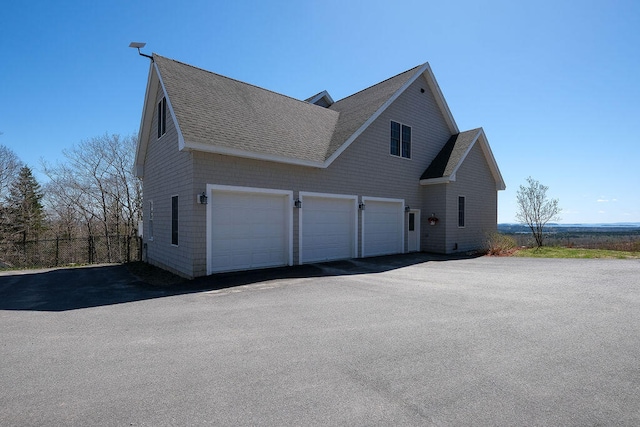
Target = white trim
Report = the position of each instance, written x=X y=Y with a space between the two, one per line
x=400 y=147
x=440 y=100
x=433 y=181
x=303 y=194
x=377 y=114
x=364 y=212
x=417 y=226
x=141 y=148
x=208 y=148
x=323 y=94
x=170 y=107
x=237 y=189
x=488 y=154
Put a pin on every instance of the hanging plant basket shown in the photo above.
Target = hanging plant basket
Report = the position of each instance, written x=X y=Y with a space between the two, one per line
x=433 y=220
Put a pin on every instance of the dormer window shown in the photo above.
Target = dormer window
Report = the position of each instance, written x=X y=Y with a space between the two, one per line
x=162 y=117
x=400 y=140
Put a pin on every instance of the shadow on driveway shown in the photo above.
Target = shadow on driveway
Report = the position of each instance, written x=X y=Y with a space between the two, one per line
x=76 y=288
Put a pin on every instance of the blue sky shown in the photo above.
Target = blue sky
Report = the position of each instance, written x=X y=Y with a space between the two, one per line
x=555 y=84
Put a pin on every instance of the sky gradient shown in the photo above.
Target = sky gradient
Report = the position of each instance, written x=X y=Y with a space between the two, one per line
x=554 y=84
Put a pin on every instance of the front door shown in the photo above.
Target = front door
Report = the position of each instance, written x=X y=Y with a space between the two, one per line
x=413 y=227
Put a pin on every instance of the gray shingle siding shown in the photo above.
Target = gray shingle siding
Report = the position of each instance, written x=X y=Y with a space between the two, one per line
x=168 y=172
x=297 y=130
x=365 y=168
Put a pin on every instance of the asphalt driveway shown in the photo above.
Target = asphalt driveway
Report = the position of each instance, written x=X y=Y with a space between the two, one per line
x=406 y=340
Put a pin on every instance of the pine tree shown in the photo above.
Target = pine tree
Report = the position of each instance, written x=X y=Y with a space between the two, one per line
x=24 y=211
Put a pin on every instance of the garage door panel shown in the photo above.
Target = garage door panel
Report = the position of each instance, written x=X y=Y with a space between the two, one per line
x=328 y=228
x=248 y=230
x=383 y=228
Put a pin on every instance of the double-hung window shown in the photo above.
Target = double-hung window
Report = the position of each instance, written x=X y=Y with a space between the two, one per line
x=400 y=140
x=162 y=117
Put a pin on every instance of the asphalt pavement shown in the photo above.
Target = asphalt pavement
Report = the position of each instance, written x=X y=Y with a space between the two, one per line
x=405 y=340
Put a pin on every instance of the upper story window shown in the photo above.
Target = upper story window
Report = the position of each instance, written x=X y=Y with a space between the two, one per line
x=162 y=117
x=400 y=140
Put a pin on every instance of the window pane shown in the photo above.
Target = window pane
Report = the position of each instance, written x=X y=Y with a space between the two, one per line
x=406 y=141
x=461 y=211
x=174 y=220
x=412 y=221
x=395 y=139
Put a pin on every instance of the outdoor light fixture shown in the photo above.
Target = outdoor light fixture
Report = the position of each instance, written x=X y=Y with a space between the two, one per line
x=297 y=204
x=202 y=198
x=407 y=208
x=139 y=45
x=361 y=206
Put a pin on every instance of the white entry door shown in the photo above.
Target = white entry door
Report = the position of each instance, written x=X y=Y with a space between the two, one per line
x=248 y=228
x=383 y=226
x=413 y=230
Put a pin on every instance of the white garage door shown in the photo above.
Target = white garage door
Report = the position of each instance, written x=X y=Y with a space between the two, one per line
x=248 y=230
x=383 y=227
x=328 y=227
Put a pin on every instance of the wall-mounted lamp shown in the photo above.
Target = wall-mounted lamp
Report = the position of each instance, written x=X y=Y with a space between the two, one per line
x=407 y=208
x=297 y=204
x=361 y=206
x=202 y=198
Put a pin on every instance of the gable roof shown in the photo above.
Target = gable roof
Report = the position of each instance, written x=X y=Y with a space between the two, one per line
x=444 y=166
x=217 y=114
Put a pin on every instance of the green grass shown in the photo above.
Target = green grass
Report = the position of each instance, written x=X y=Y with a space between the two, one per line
x=560 y=252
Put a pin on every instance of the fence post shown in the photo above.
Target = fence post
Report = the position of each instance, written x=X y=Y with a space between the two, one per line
x=128 y=248
x=90 y=254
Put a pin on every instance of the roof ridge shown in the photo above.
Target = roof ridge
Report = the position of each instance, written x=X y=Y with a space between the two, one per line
x=235 y=80
x=381 y=82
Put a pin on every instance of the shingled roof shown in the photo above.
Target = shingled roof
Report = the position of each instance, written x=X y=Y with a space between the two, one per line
x=222 y=115
x=444 y=166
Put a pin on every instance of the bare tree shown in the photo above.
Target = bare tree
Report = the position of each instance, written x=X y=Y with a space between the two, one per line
x=535 y=209
x=9 y=167
x=98 y=186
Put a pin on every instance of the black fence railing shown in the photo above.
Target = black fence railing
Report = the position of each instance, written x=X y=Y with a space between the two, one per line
x=69 y=251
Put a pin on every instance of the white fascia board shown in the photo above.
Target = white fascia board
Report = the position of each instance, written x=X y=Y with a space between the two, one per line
x=466 y=153
x=323 y=94
x=171 y=111
x=145 y=124
x=443 y=180
x=375 y=115
x=491 y=160
x=227 y=151
x=442 y=103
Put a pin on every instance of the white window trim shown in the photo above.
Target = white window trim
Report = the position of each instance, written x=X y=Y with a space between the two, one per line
x=400 y=156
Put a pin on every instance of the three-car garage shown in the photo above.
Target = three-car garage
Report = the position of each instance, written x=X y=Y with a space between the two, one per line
x=250 y=228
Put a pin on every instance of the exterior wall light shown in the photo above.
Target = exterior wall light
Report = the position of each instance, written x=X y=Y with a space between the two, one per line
x=361 y=206
x=407 y=208
x=297 y=204
x=202 y=198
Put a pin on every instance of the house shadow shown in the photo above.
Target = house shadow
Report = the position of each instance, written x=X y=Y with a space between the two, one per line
x=95 y=286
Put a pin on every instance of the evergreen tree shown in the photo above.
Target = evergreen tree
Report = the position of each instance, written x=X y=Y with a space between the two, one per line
x=24 y=213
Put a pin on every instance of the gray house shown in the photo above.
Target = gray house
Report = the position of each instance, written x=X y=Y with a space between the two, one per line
x=237 y=177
